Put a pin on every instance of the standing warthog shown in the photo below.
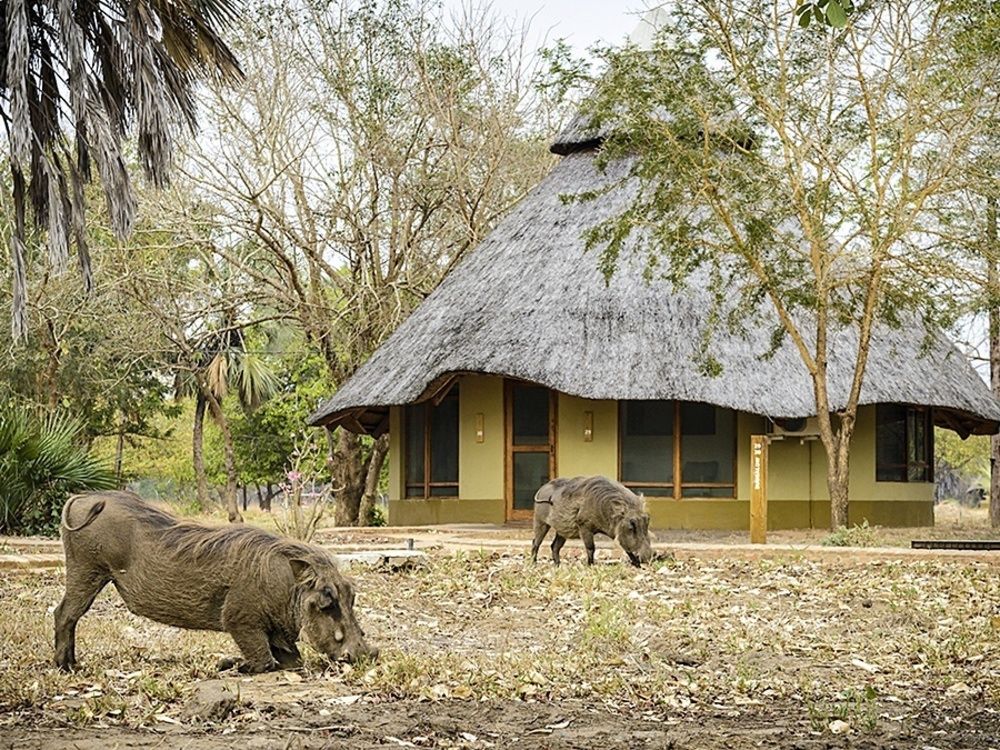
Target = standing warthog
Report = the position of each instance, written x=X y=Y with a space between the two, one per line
x=584 y=506
x=261 y=589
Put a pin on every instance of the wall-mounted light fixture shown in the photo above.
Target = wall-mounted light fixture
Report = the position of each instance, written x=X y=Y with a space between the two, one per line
x=480 y=431
x=588 y=426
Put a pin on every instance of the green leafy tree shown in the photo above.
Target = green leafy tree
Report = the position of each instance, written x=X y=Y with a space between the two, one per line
x=265 y=437
x=230 y=367
x=92 y=354
x=800 y=170
x=206 y=314
x=960 y=464
x=830 y=12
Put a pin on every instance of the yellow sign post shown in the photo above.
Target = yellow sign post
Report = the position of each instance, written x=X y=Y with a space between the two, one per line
x=758 y=489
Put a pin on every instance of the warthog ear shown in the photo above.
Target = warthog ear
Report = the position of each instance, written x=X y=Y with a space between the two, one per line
x=301 y=569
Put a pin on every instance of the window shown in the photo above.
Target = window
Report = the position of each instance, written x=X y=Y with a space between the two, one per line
x=904 y=443
x=697 y=442
x=431 y=447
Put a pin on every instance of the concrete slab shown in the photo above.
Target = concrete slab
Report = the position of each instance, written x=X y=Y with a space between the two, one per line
x=30 y=561
x=388 y=558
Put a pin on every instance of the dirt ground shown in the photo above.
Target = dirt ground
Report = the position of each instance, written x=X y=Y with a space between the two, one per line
x=506 y=724
x=482 y=649
x=787 y=647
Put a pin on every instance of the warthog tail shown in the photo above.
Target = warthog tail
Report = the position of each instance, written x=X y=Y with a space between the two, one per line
x=95 y=511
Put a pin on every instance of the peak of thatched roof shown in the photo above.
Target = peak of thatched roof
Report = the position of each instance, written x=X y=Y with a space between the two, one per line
x=530 y=303
x=578 y=135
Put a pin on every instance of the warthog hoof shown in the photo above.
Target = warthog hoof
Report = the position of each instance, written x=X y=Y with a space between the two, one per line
x=228 y=662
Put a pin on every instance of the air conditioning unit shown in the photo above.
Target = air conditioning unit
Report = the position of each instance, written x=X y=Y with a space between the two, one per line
x=795 y=427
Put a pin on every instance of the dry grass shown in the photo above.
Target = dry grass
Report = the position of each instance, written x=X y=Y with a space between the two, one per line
x=864 y=643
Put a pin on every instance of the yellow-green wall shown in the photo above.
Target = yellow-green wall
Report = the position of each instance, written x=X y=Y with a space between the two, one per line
x=480 y=465
x=395 y=456
x=574 y=454
x=797 y=493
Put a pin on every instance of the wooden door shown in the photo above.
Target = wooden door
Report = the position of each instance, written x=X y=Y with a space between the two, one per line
x=530 y=417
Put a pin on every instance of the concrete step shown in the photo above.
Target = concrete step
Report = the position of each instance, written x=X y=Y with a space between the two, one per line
x=19 y=562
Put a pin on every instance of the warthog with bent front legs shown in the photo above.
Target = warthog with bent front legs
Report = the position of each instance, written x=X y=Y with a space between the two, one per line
x=260 y=588
x=584 y=506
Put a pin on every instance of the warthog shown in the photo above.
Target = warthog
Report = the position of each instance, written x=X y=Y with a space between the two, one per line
x=261 y=589
x=584 y=506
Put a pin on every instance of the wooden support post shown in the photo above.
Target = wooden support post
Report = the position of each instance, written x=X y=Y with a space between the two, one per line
x=758 y=489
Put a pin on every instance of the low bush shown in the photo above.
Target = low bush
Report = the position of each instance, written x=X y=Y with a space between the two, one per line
x=42 y=462
x=861 y=535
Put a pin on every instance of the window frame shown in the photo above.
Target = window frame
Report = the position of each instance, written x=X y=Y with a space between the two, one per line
x=677 y=487
x=425 y=486
x=927 y=465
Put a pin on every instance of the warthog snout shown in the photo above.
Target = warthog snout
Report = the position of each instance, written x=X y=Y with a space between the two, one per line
x=633 y=536
x=359 y=652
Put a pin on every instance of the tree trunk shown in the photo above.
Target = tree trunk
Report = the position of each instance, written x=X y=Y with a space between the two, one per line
x=348 y=473
x=198 y=450
x=120 y=451
x=372 y=475
x=260 y=495
x=993 y=294
x=837 y=479
x=232 y=507
x=243 y=489
x=838 y=468
x=270 y=496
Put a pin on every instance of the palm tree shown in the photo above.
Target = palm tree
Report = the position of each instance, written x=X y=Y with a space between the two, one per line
x=42 y=460
x=228 y=366
x=75 y=77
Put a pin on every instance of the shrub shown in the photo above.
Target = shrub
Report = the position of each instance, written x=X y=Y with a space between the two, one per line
x=42 y=462
x=378 y=516
x=854 y=536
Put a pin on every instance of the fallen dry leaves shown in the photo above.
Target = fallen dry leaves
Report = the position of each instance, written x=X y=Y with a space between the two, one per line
x=852 y=646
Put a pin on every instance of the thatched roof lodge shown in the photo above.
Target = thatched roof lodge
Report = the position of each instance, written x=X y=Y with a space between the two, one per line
x=524 y=364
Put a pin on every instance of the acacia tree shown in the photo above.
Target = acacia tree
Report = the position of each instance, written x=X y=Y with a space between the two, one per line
x=803 y=166
x=76 y=76
x=372 y=144
x=969 y=219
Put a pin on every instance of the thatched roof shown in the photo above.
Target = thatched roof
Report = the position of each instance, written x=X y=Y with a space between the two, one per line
x=529 y=303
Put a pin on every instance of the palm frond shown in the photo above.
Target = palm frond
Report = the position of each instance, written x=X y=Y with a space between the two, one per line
x=217 y=375
x=42 y=461
x=256 y=380
x=78 y=75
